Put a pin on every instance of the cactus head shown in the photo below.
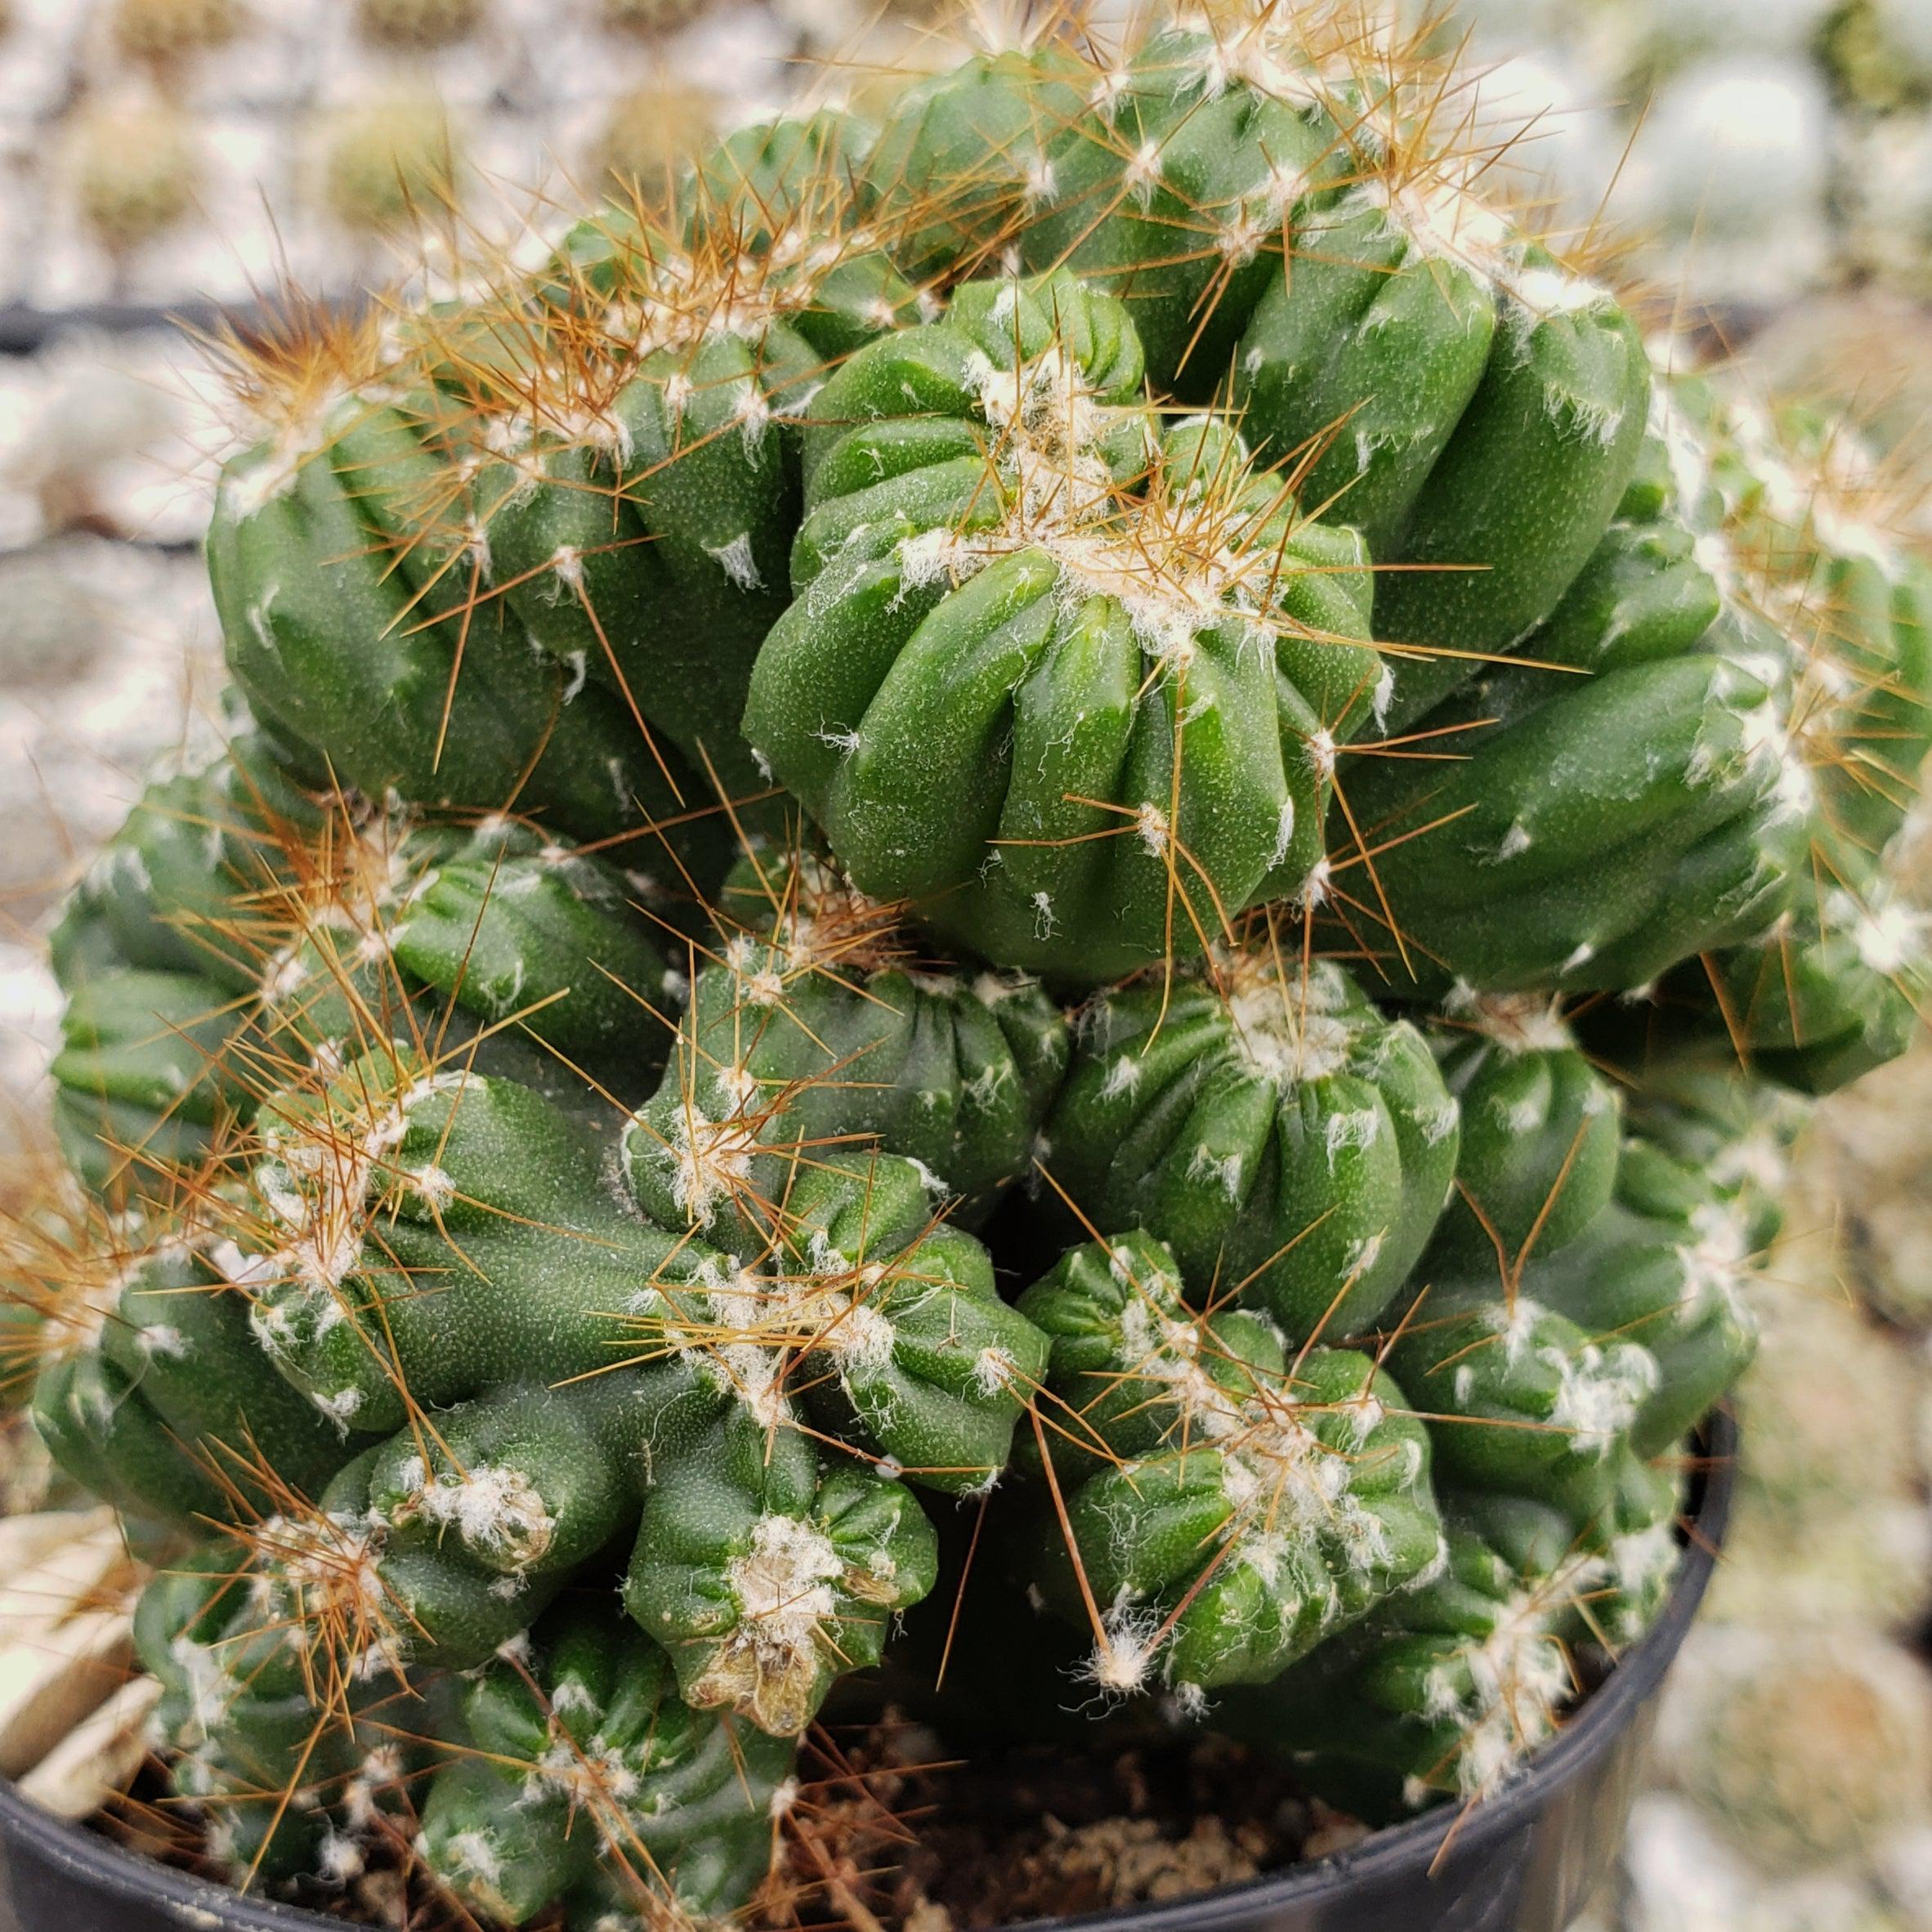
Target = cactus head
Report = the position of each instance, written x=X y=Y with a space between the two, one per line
x=389 y=165
x=136 y=174
x=421 y=26
x=165 y=31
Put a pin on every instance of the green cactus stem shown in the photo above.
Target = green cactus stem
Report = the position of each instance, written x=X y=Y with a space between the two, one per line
x=358 y=617
x=820 y=1024
x=1123 y=663
x=578 y=1753
x=1664 y=1266
x=1536 y=1161
x=150 y=1391
x=288 y=1792
x=1592 y=831
x=1233 y=1510
x=766 y=1571
x=1445 y=1690
x=1290 y=1144
x=1520 y=1398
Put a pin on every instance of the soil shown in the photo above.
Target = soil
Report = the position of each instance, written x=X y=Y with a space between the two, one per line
x=890 y=1837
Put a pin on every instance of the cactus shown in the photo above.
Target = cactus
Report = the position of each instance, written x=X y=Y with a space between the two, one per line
x=1467 y=400
x=578 y=1750
x=1447 y=1688
x=136 y=173
x=1536 y=1159
x=1222 y=1513
x=391 y=164
x=1024 y=522
x=845 y=959
x=1543 y=868
x=817 y=1025
x=165 y=31
x=1292 y=1145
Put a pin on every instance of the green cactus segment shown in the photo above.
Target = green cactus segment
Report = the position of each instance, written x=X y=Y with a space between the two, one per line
x=578 y=1751
x=1521 y=1399
x=1072 y=693
x=143 y=1082
x=1540 y=1129
x=1836 y=987
x=963 y=155
x=639 y=489
x=1242 y=1509
x=1664 y=1266
x=442 y=1234
x=1796 y=508
x=287 y=1792
x=1288 y=1141
x=1174 y=189
x=1695 y=1103
x=1475 y=407
x=773 y=205
x=903 y=1345
x=353 y=579
x=572 y=1360
x=1525 y=488
x=481 y=926
x=820 y=1025
x=157 y=951
x=1367 y=352
x=1449 y=1686
x=151 y=1392
x=1593 y=831
x=766 y=1571
x=191 y=880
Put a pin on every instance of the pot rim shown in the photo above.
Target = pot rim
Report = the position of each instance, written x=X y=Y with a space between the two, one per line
x=207 y=1907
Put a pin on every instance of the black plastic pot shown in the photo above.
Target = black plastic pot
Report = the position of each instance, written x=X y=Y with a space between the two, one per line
x=1526 y=1861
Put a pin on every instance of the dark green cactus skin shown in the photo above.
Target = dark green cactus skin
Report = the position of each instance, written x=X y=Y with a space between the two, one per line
x=1446 y=1689
x=1831 y=991
x=1536 y=1161
x=1525 y=488
x=1663 y=1266
x=1693 y=1100
x=489 y=929
x=576 y=1753
x=146 y=1080
x=289 y=1791
x=1284 y=1138
x=780 y=198
x=157 y=950
x=461 y=1273
x=820 y=1025
x=766 y=1570
x=962 y=155
x=984 y=698
x=919 y=1361
x=1474 y=407
x=1521 y=1399
x=1242 y=1509
x=153 y=1394
x=356 y=606
x=1597 y=830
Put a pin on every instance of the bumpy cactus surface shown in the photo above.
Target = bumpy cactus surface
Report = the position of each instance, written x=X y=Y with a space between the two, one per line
x=1078 y=862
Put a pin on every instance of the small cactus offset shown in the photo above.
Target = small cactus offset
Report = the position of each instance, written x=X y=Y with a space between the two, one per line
x=1083 y=855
